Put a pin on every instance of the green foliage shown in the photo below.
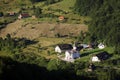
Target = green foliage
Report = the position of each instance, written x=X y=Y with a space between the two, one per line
x=81 y=36
x=30 y=58
x=117 y=49
x=51 y=1
x=1 y=14
x=38 y=12
x=106 y=74
x=105 y=22
x=7 y=44
x=57 y=35
x=13 y=45
x=52 y=65
x=80 y=65
x=85 y=7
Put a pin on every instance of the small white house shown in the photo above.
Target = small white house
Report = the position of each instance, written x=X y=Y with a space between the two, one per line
x=100 y=57
x=101 y=46
x=57 y=49
x=95 y=59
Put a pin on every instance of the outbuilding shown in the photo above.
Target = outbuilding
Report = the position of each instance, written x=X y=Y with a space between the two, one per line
x=100 y=57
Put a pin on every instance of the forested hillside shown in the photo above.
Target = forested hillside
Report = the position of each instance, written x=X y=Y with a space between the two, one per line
x=27 y=45
x=105 y=23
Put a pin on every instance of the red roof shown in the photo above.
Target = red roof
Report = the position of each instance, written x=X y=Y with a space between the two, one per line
x=25 y=15
x=61 y=17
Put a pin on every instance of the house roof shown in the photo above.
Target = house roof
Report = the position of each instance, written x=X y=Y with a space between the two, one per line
x=61 y=18
x=25 y=15
x=103 y=55
x=65 y=46
x=79 y=48
x=11 y=13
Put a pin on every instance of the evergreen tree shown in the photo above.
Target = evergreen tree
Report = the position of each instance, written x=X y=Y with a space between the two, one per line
x=1 y=14
x=38 y=12
x=105 y=21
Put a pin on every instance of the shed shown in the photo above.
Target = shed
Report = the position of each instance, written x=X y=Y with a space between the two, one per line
x=11 y=13
x=101 y=46
x=23 y=15
x=61 y=18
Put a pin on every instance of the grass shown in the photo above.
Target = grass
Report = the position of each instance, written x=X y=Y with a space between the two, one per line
x=62 y=8
x=86 y=55
x=64 y=5
x=5 y=54
x=47 y=45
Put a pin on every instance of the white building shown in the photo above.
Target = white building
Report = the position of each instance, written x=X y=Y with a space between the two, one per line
x=57 y=49
x=100 y=57
x=101 y=46
x=71 y=55
x=63 y=47
x=95 y=59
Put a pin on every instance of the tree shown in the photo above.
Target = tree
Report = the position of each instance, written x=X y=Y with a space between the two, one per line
x=38 y=12
x=33 y=1
x=105 y=22
x=81 y=36
x=52 y=65
x=1 y=14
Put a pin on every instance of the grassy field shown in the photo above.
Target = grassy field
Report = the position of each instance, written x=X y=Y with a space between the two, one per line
x=64 y=8
x=45 y=46
x=34 y=29
x=44 y=29
x=64 y=5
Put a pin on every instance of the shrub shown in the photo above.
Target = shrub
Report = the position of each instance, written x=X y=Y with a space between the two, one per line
x=52 y=65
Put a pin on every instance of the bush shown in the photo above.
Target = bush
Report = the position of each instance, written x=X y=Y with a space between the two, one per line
x=1 y=14
x=52 y=65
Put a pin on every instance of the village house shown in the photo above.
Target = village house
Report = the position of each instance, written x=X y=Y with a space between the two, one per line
x=63 y=47
x=23 y=15
x=100 y=57
x=11 y=13
x=61 y=18
x=71 y=52
x=33 y=17
x=101 y=46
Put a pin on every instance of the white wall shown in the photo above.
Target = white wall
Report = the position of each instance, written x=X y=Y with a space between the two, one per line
x=95 y=59
x=70 y=55
x=57 y=49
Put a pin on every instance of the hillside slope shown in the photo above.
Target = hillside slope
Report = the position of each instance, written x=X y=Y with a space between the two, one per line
x=41 y=29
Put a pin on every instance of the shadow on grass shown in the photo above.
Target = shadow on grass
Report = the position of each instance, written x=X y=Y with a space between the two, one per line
x=90 y=52
x=25 y=41
x=14 y=70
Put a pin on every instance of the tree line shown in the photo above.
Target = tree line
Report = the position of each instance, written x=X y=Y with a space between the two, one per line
x=14 y=45
x=105 y=22
x=46 y=1
x=29 y=66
